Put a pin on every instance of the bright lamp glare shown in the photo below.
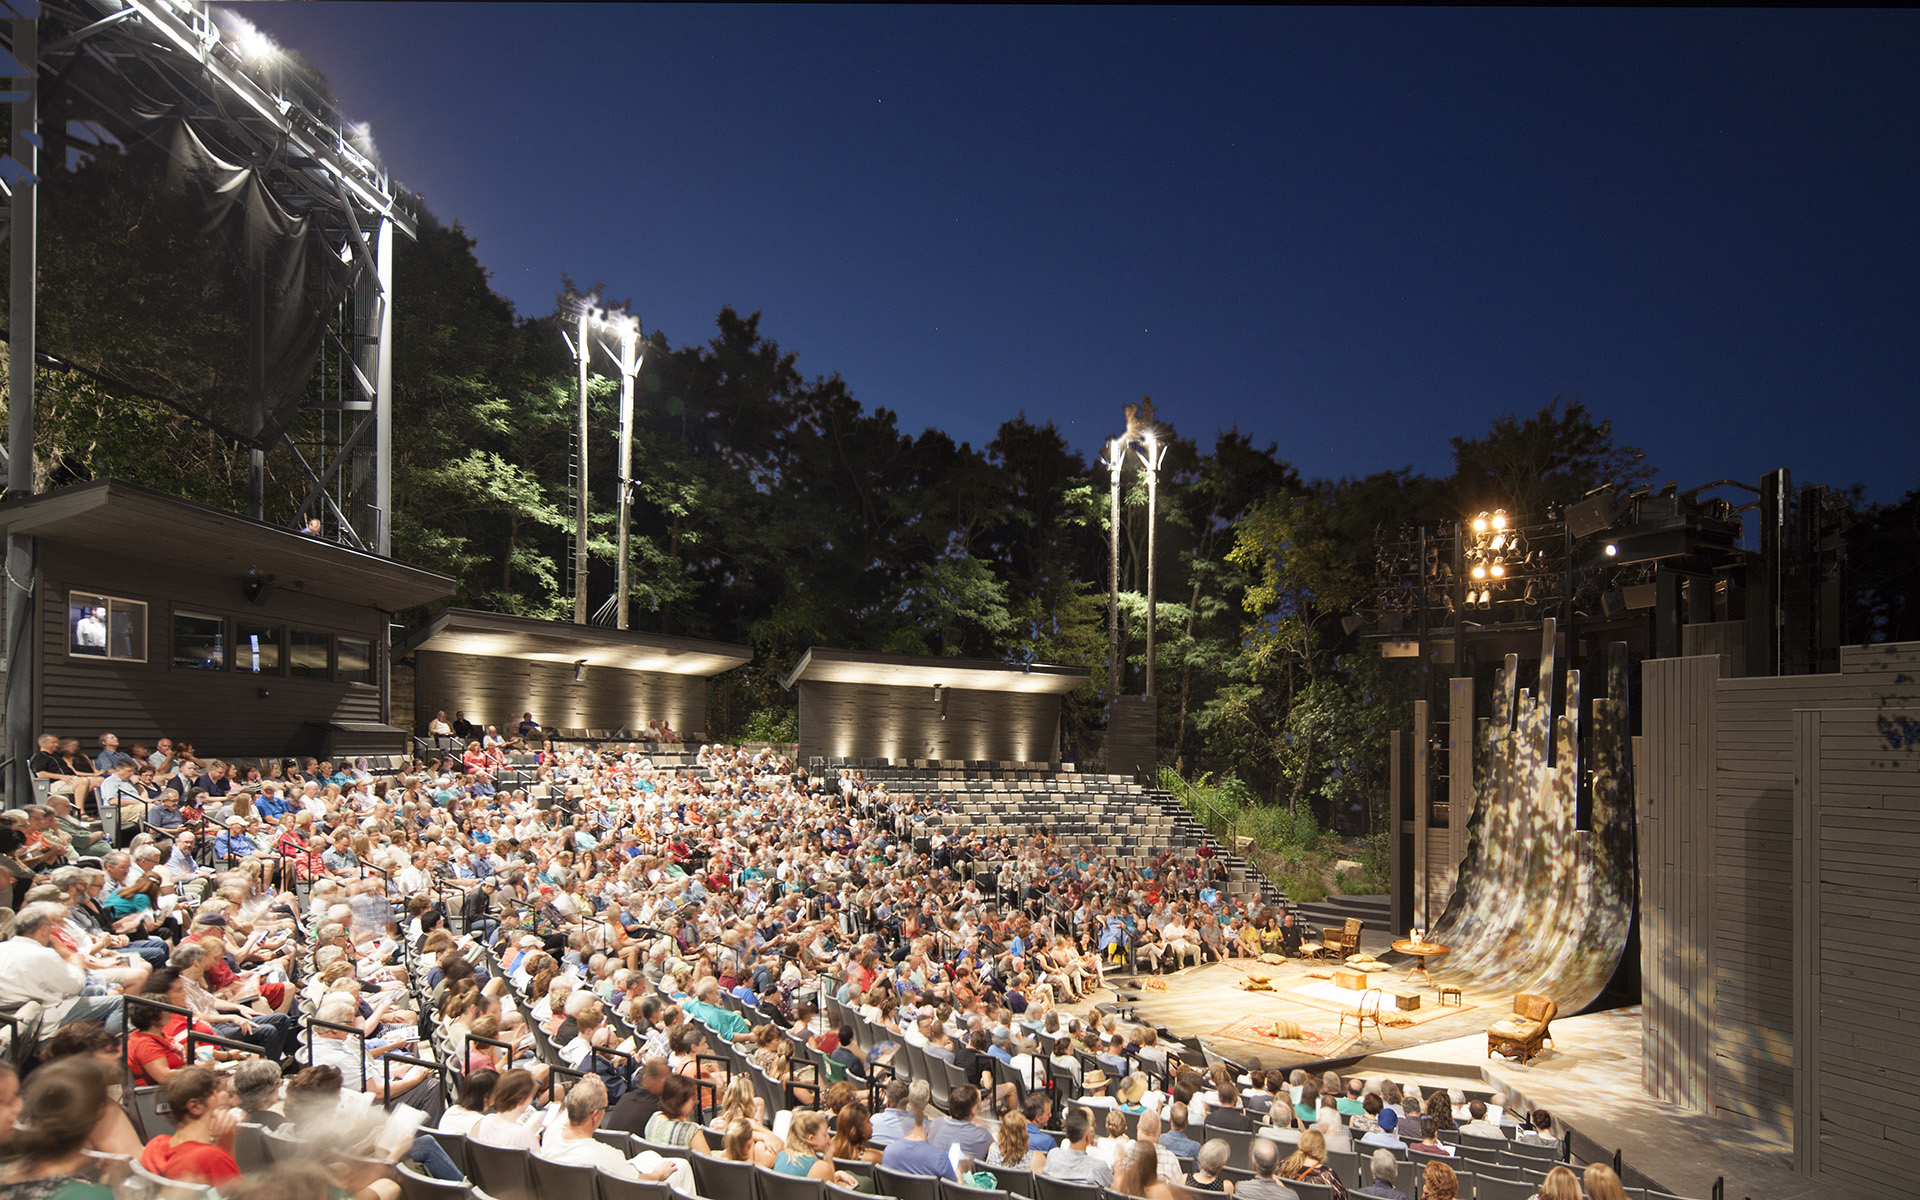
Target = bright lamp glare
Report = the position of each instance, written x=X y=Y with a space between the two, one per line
x=254 y=46
x=1500 y=519
x=1496 y=570
x=1480 y=524
x=1612 y=549
x=1479 y=572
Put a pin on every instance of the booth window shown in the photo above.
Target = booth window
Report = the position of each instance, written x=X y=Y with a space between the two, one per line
x=355 y=660
x=310 y=655
x=256 y=648
x=199 y=642
x=106 y=627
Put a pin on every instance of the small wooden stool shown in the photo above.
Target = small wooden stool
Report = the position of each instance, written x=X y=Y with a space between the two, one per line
x=1449 y=991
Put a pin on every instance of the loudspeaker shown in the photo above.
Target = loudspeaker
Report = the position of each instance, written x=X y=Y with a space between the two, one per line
x=1591 y=515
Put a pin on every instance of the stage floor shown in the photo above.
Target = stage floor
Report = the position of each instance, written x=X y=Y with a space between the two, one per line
x=1208 y=1002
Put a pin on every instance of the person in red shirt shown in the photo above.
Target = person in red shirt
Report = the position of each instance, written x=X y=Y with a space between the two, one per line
x=200 y=1149
x=150 y=1055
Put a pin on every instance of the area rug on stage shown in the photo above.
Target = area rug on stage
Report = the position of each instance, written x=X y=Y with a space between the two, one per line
x=1311 y=1044
x=1325 y=994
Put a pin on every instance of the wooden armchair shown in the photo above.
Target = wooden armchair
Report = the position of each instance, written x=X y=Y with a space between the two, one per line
x=1522 y=1033
x=1338 y=943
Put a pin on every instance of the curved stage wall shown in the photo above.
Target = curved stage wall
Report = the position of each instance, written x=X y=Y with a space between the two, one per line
x=1541 y=906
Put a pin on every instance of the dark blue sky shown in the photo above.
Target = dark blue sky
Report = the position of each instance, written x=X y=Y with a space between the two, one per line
x=1353 y=233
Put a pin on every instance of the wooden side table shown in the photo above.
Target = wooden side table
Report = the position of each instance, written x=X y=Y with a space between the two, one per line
x=1420 y=952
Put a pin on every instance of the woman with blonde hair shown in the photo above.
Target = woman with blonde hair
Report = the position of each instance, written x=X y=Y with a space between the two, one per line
x=1011 y=1148
x=808 y=1151
x=1560 y=1184
x=1602 y=1183
x=1308 y=1163
x=740 y=1105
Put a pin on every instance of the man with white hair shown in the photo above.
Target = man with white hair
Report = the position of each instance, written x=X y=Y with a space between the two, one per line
x=350 y=1054
x=572 y=1142
x=36 y=965
x=1386 y=1173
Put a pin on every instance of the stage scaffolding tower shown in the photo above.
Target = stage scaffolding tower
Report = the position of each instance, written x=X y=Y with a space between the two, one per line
x=342 y=441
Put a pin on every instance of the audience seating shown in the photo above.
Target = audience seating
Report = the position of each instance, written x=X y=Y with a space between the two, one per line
x=501 y=1173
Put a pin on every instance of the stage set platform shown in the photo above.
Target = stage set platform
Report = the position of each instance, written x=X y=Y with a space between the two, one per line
x=1209 y=1002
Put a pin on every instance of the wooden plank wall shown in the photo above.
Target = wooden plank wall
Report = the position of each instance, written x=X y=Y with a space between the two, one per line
x=857 y=720
x=1423 y=908
x=1460 y=726
x=1673 y=821
x=219 y=712
x=495 y=691
x=1753 y=914
x=1857 y=893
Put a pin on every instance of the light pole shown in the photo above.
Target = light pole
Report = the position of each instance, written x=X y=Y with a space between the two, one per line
x=630 y=360
x=583 y=351
x=1116 y=668
x=1152 y=453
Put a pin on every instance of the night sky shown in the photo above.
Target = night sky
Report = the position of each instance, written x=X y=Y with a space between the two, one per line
x=1351 y=233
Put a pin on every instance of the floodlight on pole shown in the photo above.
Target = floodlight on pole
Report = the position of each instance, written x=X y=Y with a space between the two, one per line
x=630 y=360
x=1116 y=666
x=1152 y=452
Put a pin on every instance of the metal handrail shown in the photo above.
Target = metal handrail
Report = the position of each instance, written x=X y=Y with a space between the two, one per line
x=207 y=1039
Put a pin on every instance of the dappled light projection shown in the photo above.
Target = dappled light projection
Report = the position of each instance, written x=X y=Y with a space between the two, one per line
x=1540 y=905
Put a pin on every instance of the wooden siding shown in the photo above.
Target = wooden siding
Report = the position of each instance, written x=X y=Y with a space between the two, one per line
x=860 y=720
x=219 y=712
x=1460 y=728
x=1424 y=910
x=1856 y=871
x=495 y=691
x=1675 y=830
x=1751 y=949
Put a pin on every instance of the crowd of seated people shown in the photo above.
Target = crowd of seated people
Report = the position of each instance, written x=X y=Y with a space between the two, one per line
x=527 y=734
x=618 y=945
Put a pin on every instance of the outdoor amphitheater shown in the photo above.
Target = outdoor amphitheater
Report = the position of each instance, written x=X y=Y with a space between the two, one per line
x=457 y=755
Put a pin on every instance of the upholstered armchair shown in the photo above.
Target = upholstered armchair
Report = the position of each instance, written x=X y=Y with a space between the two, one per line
x=1521 y=1033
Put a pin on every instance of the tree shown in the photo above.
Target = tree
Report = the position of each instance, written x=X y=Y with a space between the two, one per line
x=1883 y=567
x=1547 y=461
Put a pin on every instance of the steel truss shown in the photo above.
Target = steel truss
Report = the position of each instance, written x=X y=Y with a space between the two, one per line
x=342 y=442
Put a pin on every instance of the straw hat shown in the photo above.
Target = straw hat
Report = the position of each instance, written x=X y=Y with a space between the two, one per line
x=1094 y=1081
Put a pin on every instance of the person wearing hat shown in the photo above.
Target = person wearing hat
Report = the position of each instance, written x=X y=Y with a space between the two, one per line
x=234 y=843
x=1093 y=1089
x=1130 y=1093
x=1383 y=1138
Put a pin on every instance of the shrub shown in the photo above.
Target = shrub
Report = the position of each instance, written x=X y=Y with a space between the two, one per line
x=772 y=725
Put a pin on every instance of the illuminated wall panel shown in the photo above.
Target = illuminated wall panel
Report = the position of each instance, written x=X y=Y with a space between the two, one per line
x=861 y=720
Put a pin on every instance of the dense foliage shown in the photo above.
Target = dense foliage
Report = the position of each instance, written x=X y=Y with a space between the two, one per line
x=774 y=509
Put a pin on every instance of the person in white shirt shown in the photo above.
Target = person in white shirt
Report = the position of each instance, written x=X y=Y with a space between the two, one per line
x=1477 y=1123
x=34 y=965
x=571 y=1141
x=511 y=1123
x=346 y=1054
